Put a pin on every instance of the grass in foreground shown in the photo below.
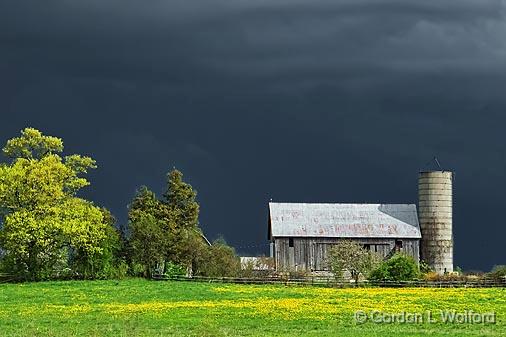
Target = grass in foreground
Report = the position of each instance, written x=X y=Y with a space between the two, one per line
x=148 y=308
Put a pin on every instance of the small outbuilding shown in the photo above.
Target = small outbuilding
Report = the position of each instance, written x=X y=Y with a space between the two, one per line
x=301 y=234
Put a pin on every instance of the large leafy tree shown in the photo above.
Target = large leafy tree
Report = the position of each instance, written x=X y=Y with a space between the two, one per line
x=108 y=261
x=42 y=219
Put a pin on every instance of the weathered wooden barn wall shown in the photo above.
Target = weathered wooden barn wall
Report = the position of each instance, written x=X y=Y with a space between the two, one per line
x=311 y=254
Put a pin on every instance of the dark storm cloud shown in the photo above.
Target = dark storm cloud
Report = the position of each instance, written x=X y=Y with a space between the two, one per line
x=292 y=100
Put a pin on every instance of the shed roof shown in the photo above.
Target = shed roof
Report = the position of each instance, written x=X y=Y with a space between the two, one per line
x=343 y=220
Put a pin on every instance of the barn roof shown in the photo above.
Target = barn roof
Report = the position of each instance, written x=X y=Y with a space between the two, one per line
x=343 y=220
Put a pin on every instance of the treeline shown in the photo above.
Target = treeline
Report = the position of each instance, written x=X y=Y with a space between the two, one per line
x=48 y=232
x=164 y=236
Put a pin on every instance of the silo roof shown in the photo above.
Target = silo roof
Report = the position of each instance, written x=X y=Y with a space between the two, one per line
x=343 y=220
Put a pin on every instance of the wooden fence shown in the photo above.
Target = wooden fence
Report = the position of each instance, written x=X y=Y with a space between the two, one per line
x=4 y=278
x=324 y=281
x=327 y=281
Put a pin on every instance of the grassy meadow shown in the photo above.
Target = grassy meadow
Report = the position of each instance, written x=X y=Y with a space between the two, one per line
x=138 y=307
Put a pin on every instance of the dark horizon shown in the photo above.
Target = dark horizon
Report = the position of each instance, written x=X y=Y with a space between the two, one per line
x=291 y=101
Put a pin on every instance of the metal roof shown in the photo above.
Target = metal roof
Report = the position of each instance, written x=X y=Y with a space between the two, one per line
x=343 y=220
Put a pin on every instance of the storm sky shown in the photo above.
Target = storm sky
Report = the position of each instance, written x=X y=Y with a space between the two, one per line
x=307 y=101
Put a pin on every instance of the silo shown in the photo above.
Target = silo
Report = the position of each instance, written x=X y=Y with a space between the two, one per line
x=435 y=201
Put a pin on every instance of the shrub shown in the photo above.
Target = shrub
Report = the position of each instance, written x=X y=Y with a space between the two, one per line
x=498 y=272
x=399 y=267
x=431 y=276
x=119 y=271
x=425 y=268
x=137 y=269
x=172 y=269
x=219 y=260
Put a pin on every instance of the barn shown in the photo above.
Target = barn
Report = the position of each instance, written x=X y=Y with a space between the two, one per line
x=301 y=234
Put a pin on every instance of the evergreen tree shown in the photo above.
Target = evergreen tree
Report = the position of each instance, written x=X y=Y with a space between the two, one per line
x=148 y=234
x=180 y=198
x=167 y=231
x=182 y=214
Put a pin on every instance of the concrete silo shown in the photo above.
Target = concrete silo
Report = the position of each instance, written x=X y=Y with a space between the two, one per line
x=435 y=205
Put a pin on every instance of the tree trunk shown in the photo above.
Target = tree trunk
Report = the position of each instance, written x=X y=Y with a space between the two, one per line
x=32 y=262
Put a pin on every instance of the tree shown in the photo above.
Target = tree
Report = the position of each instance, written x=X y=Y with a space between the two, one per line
x=180 y=198
x=149 y=244
x=166 y=232
x=144 y=202
x=41 y=217
x=181 y=216
x=399 y=267
x=108 y=262
x=32 y=145
x=353 y=257
x=148 y=235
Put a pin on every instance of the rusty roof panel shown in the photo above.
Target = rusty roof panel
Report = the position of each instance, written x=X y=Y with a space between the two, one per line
x=344 y=220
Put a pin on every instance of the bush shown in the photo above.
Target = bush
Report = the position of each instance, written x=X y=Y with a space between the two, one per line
x=119 y=271
x=432 y=276
x=220 y=260
x=172 y=269
x=425 y=268
x=498 y=272
x=399 y=267
x=137 y=269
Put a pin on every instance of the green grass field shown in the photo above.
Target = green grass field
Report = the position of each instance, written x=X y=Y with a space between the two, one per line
x=149 y=308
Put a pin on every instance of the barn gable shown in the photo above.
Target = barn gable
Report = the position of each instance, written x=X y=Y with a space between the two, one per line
x=343 y=220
